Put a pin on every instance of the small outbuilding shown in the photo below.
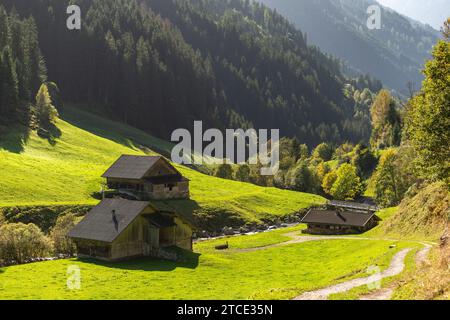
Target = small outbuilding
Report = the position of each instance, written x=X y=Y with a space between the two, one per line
x=340 y=217
x=119 y=229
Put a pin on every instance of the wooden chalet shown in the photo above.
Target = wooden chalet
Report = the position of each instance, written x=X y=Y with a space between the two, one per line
x=124 y=226
x=146 y=178
x=118 y=229
x=341 y=217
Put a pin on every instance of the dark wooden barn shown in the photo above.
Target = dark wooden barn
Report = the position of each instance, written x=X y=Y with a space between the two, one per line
x=118 y=229
x=146 y=178
x=340 y=217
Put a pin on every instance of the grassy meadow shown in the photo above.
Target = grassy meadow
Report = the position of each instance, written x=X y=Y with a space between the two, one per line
x=273 y=273
x=67 y=170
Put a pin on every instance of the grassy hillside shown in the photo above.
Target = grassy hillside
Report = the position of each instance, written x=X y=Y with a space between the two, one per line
x=273 y=273
x=423 y=216
x=67 y=170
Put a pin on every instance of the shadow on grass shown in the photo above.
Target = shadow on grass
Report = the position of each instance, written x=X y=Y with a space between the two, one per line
x=106 y=128
x=188 y=260
x=14 y=138
x=51 y=133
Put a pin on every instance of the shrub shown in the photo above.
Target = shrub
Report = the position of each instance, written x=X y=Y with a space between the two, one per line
x=225 y=171
x=21 y=242
x=243 y=173
x=61 y=242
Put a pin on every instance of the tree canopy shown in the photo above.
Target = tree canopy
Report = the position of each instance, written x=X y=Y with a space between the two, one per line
x=428 y=117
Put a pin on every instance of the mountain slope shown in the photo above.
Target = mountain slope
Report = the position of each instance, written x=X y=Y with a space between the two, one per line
x=394 y=54
x=161 y=64
x=67 y=170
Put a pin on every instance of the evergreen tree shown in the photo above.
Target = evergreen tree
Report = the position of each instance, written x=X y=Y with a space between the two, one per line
x=301 y=178
x=9 y=92
x=46 y=112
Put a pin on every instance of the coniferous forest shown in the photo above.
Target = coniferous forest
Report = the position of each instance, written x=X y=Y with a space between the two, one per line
x=22 y=67
x=161 y=64
x=88 y=192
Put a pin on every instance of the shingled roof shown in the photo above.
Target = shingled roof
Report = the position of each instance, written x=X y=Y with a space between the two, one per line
x=131 y=167
x=99 y=223
x=341 y=218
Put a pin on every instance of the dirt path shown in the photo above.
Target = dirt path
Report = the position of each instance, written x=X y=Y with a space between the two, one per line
x=386 y=293
x=422 y=255
x=396 y=267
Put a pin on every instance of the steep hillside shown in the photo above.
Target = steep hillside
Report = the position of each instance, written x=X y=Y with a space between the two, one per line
x=161 y=64
x=394 y=54
x=423 y=215
x=67 y=170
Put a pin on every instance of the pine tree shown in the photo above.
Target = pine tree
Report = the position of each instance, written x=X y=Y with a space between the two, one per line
x=9 y=94
x=46 y=113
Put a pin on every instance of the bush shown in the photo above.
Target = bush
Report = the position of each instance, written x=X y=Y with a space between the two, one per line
x=243 y=173
x=61 y=242
x=224 y=171
x=20 y=243
x=43 y=216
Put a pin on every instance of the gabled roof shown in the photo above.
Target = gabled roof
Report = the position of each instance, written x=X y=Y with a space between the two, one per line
x=132 y=167
x=341 y=218
x=99 y=224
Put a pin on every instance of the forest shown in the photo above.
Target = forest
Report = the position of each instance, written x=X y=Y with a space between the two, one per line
x=160 y=65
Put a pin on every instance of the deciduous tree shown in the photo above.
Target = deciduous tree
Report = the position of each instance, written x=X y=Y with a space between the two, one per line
x=347 y=185
x=427 y=122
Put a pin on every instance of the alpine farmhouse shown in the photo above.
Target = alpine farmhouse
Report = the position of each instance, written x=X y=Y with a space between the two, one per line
x=136 y=218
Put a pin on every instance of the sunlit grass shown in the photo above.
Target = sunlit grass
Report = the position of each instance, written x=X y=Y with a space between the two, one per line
x=275 y=273
x=68 y=171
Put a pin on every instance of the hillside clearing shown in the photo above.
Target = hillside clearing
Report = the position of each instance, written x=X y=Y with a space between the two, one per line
x=68 y=169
